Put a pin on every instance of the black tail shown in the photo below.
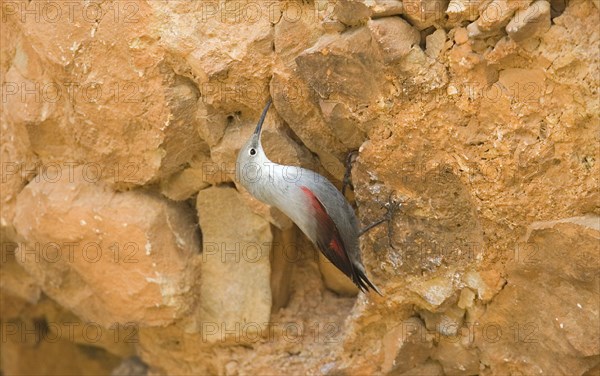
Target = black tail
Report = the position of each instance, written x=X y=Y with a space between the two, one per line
x=363 y=283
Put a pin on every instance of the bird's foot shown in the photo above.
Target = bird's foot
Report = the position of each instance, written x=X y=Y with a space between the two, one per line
x=350 y=158
x=391 y=207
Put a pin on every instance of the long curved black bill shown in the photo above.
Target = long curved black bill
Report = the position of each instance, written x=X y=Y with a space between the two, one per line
x=262 y=118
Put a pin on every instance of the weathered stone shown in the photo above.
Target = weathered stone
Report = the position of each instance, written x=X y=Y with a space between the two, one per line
x=131 y=366
x=447 y=323
x=466 y=298
x=478 y=136
x=108 y=257
x=385 y=8
x=486 y=283
x=435 y=291
x=455 y=356
x=558 y=7
x=530 y=22
x=14 y=280
x=235 y=286
x=294 y=35
x=429 y=368
x=284 y=255
x=343 y=66
x=351 y=62
x=553 y=314
x=17 y=358
x=498 y=12
x=394 y=36
x=424 y=13
x=524 y=85
x=135 y=143
x=19 y=165
x=459 y=10
x=343 y=123
x=214 y=59
x=184 y=184
x=405 y=346
x=475 y=32
x=351 y=12
x=461 y=35
x=413 y=67
x=334 y=279
x=435 y=43
x=46 y=328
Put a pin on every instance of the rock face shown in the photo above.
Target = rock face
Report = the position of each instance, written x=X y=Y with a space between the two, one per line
x=235 y=279
x=128 y=247
x=75 y=249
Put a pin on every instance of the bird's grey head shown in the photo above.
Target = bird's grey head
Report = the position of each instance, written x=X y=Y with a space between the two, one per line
x=251 y=156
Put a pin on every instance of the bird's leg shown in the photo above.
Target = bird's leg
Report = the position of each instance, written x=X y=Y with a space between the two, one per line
x=390 y=209
x=347 y=178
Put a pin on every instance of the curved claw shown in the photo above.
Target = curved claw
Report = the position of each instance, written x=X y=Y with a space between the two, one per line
x=347 y=178
x=391 y=206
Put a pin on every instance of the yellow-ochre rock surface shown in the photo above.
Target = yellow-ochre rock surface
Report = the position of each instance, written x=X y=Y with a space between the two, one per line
x=129 y=247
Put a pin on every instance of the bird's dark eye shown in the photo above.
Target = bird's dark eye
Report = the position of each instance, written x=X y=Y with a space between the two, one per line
x=252 y=151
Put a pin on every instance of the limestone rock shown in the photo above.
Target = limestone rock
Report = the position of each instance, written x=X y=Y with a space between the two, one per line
x=558 y=7
x=295 y=34
x=83 y=240
x=459 y=10
x=235 y=287
x=345 y=77
x=405 y=346
x=394 y=36
x=17 y=358
x=457 y=356
x=566 y=288
x=284 y=255
x=225 y=83
x=19 y=165
x=342 y=66
x=343 y=121
x=184 y=184
x=435 y=43
x=134 y=142
x=435 y=291
x=303 y=116
x=530 y=22
x=199 y=174
x=475 y=32
x=334 y=279
x=486 y=283
x=385 y=8
x=424 y=13
x=14 y=280
x=45 y=328
x=447 y=323
x=351 y=13
x=489 y=139
x=131 y=366
x=421 y=72
x=498 y=13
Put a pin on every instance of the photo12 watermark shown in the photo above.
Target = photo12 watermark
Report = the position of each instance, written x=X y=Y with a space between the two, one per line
x=73 y=252
x=70 y=11
x=73 y=92
x=89 y=333
x=255 y=332
x=70 y=171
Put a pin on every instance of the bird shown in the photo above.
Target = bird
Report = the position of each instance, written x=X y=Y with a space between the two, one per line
x=311 y=201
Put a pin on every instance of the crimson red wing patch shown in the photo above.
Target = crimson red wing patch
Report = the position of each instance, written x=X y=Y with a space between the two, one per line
x=328 y=236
